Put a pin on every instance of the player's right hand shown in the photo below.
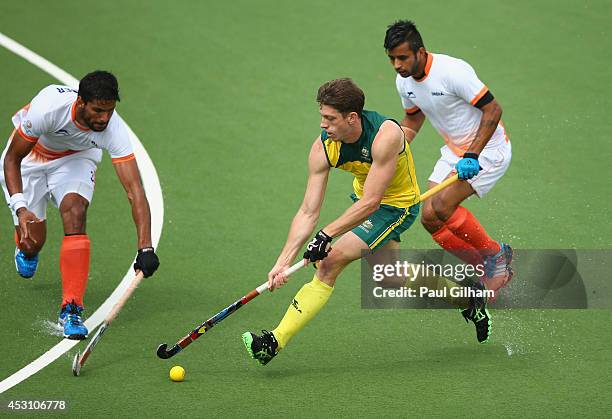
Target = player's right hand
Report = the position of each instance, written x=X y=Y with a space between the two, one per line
x=319 y=247
x=26 y=217
x=276 y=278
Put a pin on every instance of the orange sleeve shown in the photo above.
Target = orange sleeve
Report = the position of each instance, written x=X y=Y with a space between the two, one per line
x=479 y=95
x=26 y=137
x=123 y=159
x=413 y=110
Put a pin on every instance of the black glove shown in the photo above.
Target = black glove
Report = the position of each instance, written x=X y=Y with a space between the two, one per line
x=146 y=261
x=319 y=247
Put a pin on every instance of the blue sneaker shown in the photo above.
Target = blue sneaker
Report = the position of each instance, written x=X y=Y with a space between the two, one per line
x=26 y=266
x=70 y=319
x=499 y=264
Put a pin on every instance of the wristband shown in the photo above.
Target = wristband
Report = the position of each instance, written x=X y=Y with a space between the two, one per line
x=17 y=201
x=146 y=249
x=470 y=156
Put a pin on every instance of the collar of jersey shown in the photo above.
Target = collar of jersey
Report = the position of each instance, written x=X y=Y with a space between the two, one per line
x=427 y=68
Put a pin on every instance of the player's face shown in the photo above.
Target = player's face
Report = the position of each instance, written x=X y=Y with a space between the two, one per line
x=337 y=125
x=97 y=113
x=404 y=61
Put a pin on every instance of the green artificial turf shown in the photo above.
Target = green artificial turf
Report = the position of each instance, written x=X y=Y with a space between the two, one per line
x=222 y=95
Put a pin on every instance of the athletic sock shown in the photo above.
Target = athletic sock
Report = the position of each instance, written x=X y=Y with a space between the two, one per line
x=74 y=267
x=466 y=227
x=458 y=247
x=309 y=300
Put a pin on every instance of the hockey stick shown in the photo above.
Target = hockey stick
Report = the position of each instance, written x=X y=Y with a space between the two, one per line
x=439 y=187
x=79 y=360
x=164 y=353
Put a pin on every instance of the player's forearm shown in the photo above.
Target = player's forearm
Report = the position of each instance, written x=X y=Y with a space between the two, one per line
x=141 y=214
x=488 y=125
x=409 y=133
x=12 y=175
x=300 y=231
x=352 y=217
x=411 y=124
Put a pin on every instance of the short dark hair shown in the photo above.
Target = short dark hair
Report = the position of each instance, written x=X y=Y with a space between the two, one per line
x=99 y=85
x=343 y=95
x=403 y=31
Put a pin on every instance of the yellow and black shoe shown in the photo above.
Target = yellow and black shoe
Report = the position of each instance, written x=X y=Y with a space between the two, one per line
x=261 y=348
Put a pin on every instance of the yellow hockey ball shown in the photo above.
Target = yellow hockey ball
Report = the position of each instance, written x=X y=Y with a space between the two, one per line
x=177 y=373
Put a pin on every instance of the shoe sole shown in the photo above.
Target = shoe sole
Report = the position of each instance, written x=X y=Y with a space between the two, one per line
x=489 y=326
x=247 y=339
x=76 y=337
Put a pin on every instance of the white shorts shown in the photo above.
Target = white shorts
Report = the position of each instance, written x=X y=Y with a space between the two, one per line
x=52 y=180
x=494 y=163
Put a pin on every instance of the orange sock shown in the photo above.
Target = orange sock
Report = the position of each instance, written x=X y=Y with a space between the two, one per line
x=74 y=266
x=460 y=248
x=465 y=226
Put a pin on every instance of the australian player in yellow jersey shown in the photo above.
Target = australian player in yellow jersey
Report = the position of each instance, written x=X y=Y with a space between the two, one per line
x=386 y=194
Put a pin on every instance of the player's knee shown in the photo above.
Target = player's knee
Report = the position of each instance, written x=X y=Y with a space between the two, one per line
x=442 y=210
x=74 y=213
x=329 y=268
x=429 y=218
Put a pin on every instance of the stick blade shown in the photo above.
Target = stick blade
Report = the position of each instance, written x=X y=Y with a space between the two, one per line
x=76 y=364
x=164 y=353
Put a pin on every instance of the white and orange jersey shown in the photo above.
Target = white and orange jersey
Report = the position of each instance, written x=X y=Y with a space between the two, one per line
x=447 y=95
x=49 y=121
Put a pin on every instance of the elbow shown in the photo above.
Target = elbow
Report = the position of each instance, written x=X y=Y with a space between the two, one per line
x=309 y=216
x=496 y=112
x=371 y=206
x=135 y=196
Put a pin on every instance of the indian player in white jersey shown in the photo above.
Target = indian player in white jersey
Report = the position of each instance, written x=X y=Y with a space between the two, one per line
x=52 y=156
x=463 y=111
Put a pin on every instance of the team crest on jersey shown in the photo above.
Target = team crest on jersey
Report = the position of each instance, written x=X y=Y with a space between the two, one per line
x=411 y=95
x=28 y=127
x=366 y=226
x=365 y=153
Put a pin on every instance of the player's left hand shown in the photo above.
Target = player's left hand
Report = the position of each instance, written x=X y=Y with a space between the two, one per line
x=468 y=166
x=319 y=247
x=146 y=261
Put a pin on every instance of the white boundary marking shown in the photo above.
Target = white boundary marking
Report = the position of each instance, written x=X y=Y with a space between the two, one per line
x=154 y=195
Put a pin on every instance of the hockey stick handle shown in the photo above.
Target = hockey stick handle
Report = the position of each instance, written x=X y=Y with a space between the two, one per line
x=296 y=267
x=439 y=187
x=126 y=295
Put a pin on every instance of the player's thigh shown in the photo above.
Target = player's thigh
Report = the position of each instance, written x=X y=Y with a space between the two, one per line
x=446 y=201
x=386 y=224
x=494 y=164
x=74 y=175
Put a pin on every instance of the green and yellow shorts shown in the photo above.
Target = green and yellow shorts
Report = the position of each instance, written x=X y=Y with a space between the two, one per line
x=387 y=223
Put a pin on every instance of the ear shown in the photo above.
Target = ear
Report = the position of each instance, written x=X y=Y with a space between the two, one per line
x=80 y=102
x=353 y=117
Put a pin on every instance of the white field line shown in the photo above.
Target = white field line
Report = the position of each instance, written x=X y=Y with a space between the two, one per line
x=154 y=195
